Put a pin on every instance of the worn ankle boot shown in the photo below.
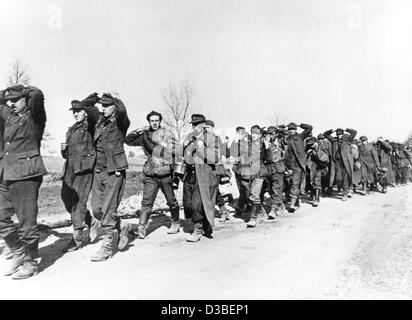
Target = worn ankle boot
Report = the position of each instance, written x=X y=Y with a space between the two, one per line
x=141 y=231
x=273 y=212
x=17 y=260
x=28 y=269
x=262 y=215
x=106 y=250
x=225 y=214
x=196 y=234
x=124 y=235
x=174 y=228
x=76 y=241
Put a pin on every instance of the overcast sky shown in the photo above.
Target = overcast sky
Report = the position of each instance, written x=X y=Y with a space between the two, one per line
x=328 y=63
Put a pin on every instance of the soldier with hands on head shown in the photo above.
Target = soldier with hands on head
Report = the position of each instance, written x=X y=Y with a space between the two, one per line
x=110 y=175
x=296 y=161
x=342 y=161
x=80 y=154
x=21 y=174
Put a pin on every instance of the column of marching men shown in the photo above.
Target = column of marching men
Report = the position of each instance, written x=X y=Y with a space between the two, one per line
x=287 y=162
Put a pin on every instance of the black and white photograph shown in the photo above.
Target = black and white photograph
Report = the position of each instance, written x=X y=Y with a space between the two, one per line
x=215 y=150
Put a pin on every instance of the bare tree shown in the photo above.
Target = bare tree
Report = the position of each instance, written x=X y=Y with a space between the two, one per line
x=277 y=118
x=18 y=74
x=177 y=100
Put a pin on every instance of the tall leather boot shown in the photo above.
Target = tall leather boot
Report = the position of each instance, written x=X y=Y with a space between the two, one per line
x=254 y=216
x=317 y=198
x=106 y=250
x=196 y=234
x=28 y=269
x=143 y=224
x=125 y=229
x=76 y=241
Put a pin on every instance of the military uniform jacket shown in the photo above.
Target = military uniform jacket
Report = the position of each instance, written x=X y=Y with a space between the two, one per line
x=344 y=148
x=296 y=146
x=384 y=150
x=21 y=157
x=251 y=157
x=158 y=146
x=204 y=158
x=275 y=157
x=80 y=153
x=113 y=132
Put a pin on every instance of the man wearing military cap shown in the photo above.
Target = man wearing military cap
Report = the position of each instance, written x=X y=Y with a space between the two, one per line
x=317 y=165
x=326 y=147
x=369 y=160
x=110 y=174
x=275 y=160
x=80 y=155
x=234 y=150
x=342 y=161
x=21 y=171
x=201 y=154
x=296 y=160
x=384 y=149
x=159 y=146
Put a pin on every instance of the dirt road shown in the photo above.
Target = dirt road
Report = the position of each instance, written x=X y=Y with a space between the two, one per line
x=356 y=249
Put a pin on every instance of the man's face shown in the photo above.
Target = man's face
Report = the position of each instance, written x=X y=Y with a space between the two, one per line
x=79 y=115
x=108 y=110
x=198 y=128
x=18 y=105
x=241 y=133
x=255 y=135
x=154 y=122
x=209 y=128
x=292 y=131
x=364 y=141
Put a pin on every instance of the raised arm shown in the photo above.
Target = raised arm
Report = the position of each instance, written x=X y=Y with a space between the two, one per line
x=123 y=121
x=352 y=133
x=307 y=129
x=89 y=106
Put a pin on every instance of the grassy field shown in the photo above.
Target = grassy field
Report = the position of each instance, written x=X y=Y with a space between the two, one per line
x=51 y=208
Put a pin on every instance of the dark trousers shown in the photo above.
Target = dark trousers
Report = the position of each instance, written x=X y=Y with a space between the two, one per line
x=192 y=202
x=296 y=181
x=276 y=188
x=404 y=175
x=220 y=201
x=75 y=193
x=151 y=187
x=23 y=196
x=243 y=197
x=341 y=176
x=246 y=189
x=107 y=192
